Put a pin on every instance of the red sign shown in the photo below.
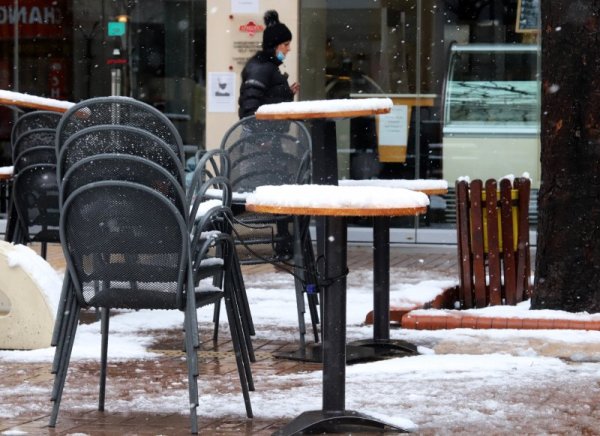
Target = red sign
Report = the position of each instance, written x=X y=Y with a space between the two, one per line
x=36 y=19
x=57 y=83
x=251 y=28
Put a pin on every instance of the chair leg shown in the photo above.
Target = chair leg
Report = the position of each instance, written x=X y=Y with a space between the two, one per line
x=216 y=316
x=61 y=374
x=44 y=251
x=241 y=300
x=64 y=329
x=301 y=310
x=16 y=234
x=299 y=280
x=11 y=222
x=62 y=347
x=240 y=286
x=308 y=261
x=191 y=337
x=238 y=328
x=60 y=313
x=242 y=361
x=104 y=322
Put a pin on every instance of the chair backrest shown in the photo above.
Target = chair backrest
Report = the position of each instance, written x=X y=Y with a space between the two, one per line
x=33 y=138
x=34 y=155
x=208 y=164
x=123 y=111
x=267 y=153
x=129 y=168
x=215 y=191
x=35 y=198
x=129 y=237
x=493 y=241
x=126 y=140
x=35 y=120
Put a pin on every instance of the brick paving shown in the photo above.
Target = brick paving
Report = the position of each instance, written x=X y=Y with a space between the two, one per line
x=77 y=415
x=576 y=413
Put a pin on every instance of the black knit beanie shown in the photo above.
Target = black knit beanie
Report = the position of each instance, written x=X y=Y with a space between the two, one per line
x=275 y=32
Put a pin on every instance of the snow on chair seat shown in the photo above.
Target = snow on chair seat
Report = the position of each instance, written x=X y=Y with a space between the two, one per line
x=29 y=291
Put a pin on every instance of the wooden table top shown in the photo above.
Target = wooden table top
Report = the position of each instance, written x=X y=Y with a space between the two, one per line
x=12 y=98
x=335 y=211
x=336 y=108
x=334 y=200
x=426 y=186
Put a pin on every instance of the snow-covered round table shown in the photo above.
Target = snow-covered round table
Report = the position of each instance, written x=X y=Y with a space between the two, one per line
x=335 y=203
x=12 y=98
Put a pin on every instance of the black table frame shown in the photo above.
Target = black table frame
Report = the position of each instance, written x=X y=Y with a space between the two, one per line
x=332 y=238
x=325 y=172
x=333 y=417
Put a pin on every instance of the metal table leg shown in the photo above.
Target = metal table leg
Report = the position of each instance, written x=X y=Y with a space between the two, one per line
x=334 y=417
x=381 y=343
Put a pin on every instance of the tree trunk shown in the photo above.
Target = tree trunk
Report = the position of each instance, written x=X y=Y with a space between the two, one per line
x=568 y=247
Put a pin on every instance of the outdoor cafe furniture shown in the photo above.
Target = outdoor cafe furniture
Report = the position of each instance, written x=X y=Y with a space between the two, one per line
x=381 y=262
x=335 y=203
x=19 y=99
x=130 y=235
x=275 y=152
x=319 y=112
x=325 y=171
x=5 y=186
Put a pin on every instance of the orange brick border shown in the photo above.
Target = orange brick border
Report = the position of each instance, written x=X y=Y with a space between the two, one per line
x=454 y=319
x=405 y=317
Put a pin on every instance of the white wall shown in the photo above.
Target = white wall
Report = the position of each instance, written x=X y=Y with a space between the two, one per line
x=228 y=48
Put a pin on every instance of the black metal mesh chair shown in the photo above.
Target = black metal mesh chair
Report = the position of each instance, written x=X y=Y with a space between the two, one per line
x=35 y=201
x=210 y=211
x=80 y=163
x=33 y=210
x=118 y=139
x=15 y=232
x=129 y=168
x=32 y=156
x=33 y=138
x=34 y=120
x=143 y=261
x=273 y=153
x=122 y=111
x=208 y=164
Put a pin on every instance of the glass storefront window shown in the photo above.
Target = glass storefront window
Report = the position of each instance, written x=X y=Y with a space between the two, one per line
x=421 y=53
x=491 y=112
x=408 y=50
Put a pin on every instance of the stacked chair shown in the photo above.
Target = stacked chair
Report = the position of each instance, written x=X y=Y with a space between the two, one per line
x=273 y=153
x=133 y=238
x=33 y=210
x=208 y=185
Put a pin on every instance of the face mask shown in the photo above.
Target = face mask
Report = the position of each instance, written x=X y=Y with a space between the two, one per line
x=280 y=56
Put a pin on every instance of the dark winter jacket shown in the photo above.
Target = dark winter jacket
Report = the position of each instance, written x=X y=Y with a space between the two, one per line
x=262 y=83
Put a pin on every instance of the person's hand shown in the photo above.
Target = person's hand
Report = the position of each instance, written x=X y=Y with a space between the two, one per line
x=295 y=87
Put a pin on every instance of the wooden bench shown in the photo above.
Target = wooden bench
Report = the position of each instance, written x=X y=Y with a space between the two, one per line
x=493 y=242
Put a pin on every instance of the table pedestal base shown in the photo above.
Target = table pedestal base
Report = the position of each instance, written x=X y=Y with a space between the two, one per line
x=366 y=350
x=387 y=347
x=319 y=421
x=314 y=353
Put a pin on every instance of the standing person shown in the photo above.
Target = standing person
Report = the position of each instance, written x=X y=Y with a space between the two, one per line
x=262 y=82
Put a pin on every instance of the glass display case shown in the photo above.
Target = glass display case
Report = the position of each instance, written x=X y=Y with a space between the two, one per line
x=491 y=112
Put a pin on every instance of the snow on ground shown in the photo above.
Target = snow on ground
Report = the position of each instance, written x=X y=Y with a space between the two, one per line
x=507 y=382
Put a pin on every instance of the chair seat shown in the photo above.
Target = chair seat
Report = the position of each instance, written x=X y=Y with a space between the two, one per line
x=125 y=298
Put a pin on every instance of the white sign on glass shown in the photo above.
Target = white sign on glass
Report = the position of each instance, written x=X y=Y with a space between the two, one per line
x=393 y=134
x=221 y=92
x=244 y=6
